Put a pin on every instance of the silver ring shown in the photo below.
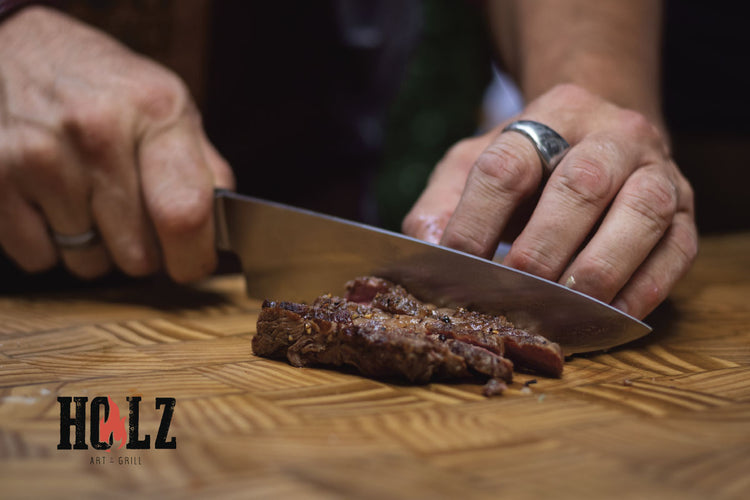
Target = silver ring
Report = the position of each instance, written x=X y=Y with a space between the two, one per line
x=75 y=241
x=548 y=143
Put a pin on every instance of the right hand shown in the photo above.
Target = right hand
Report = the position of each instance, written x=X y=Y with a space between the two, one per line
x=95 y=136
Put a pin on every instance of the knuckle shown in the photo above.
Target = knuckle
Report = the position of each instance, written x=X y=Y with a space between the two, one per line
x=163 y=96
x=687 y=195
x=569 y=91
x=40 y=153
x=462 y=239
x=464 y=151
x=38 y=149
x=587 y=179
x=569 y=95
x=531 y=260
x=685 y=240
x=504 y=169
x=687 y=191
x=637 y=125
x=456 y=152
x=642 y=131
x=183 y=213
x=655 y=200
x=94 y=127
x=650 y=291
x=634 y=121
x=601 y=274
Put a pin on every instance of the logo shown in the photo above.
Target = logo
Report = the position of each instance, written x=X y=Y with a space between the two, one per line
x=108 y=427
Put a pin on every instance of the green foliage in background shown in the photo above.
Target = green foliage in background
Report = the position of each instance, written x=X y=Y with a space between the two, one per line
x=438 y=104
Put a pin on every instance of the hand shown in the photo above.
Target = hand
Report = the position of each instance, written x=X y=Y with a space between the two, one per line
x=95 y=136
x=615 y=220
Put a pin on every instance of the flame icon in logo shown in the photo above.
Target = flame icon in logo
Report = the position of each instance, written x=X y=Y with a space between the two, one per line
x=114 y=426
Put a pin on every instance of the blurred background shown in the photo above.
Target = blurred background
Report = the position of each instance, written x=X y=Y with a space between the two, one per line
x=341 y=106
x=345 y=106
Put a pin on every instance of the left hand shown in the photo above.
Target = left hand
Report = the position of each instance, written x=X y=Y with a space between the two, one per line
x=615 y=220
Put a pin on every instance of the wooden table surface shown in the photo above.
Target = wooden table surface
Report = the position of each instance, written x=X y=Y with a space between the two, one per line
x=665 y=417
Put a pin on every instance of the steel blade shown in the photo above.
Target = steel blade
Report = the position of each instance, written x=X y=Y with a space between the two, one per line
x=293 y=254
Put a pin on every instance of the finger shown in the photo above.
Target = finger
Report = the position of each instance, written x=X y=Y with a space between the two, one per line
x=505 y=173
x=177 y=188
x=105 y=149
x=223 y=177
x=669 y=261
x=121 y=217
x=125 y=228
x=52 y=179
x=637 y=220
x=432 y=211
x=573 y=200
x=23 y=233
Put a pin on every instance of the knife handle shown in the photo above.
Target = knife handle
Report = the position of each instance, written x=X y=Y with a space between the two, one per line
x=220 y=220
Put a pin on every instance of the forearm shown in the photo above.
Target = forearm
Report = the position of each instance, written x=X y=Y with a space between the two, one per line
x=610 y=47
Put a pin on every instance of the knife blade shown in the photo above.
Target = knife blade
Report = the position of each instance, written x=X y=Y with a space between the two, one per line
x=292 y=254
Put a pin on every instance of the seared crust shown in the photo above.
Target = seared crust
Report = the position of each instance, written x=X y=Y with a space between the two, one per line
x=383 y=331
x=526 y=350
x=334 y=331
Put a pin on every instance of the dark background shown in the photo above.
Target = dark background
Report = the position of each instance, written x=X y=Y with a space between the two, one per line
x=345 y=106
x=707 y=107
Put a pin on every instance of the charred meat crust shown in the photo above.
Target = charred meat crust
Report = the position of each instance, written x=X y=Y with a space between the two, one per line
x=334 y=331
x=384 y=331
x=527 y=351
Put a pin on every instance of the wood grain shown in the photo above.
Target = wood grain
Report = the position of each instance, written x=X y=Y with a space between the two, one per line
x=667 y=416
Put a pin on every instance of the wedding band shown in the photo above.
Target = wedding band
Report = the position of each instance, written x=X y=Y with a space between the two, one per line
x=550 y=146
x=75 y=241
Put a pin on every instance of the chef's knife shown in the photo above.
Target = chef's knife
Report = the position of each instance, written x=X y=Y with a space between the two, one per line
x=292 y=254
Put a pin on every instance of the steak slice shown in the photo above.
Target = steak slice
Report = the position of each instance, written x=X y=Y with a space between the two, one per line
x=383 y=331
x=526 y=350
x=334 y=331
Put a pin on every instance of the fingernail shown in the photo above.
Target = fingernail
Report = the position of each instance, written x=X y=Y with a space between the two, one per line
x=621 y=305
x=571 y=282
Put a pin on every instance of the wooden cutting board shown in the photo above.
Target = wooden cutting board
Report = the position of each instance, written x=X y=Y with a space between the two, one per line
x=665 y=417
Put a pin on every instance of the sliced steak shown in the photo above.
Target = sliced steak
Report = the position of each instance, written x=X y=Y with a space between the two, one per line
x=384 y=331
x=526 y=350
x=335 y=331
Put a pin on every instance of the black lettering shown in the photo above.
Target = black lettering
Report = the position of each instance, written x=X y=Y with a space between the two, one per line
x=133 y=442
x=96 y=404
x=66 y=421
x=166 y=420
